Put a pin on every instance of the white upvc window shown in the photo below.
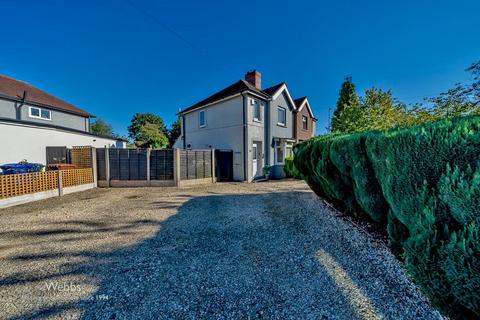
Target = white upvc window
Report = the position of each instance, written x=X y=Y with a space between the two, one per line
x=202 y=120
x=257 y=111
x=282 y=116
x=288 y=152
x=304 y=122
x=39 y=113
x=279 y=152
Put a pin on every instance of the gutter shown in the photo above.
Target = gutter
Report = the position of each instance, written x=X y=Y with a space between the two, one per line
x=186 y=111
x=41 y=105
x=25 y=123
x=209 y=104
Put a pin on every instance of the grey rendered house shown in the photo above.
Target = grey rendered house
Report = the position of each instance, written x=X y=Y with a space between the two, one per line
x=32 y=119
x=257 y=124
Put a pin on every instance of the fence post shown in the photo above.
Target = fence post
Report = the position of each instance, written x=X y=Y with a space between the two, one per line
x=107 y=166
x=148 y=165
x=214 y=179
x=176 y=166
x=60 y=183
x=93 y=150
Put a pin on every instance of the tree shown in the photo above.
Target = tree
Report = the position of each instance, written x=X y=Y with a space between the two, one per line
x=461 y=100
x=101 y=128
x=151 y=136
x=141 y=119
x=145 y=130
x=381 y=111
x=174 y=132
x=347 y=112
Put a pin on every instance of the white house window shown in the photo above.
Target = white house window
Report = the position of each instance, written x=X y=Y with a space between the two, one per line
x=40 y=113
x=201 y=119
x=304 y=123
x=279 y=152
x=282 y=116
x=288 y=152
x=257 y=111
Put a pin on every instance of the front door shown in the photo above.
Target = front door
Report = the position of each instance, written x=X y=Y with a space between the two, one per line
x=254 y=159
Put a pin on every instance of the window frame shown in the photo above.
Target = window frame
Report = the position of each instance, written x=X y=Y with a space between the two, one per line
x=40 y=110
x=257 y=106
x=200 y=125
x=284 y=124
x=304 y=123
x=279 y=147
x=288 y=154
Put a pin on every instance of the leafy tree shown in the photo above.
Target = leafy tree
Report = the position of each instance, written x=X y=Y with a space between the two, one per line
x=145 y=130
x=174 y=132
x=345 y=118
x=151 y=136
x=461 y=100
x=101 y=128
x=141 y=119
x=380 y=111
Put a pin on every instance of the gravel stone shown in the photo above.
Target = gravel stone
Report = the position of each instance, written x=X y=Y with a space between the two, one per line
x=270 y=250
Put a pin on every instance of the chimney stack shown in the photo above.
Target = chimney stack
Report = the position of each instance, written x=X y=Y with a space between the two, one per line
x=255 y=78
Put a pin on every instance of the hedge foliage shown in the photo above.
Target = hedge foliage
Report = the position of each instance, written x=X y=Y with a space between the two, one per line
x=290 y=170
x=422 y=184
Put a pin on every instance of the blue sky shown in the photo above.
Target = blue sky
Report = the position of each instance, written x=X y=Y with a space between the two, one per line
x=113 y=58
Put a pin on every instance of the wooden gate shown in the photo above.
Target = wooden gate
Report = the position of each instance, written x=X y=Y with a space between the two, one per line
x=224 y=165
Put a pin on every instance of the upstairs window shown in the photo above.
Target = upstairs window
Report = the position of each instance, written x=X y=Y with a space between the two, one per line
x=257 y=111
x=40 y=113
x=282 y=116
x=202 y=121
x=304 y=122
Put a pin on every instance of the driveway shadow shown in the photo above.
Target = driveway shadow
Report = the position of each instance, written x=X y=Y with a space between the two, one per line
x=267 y=255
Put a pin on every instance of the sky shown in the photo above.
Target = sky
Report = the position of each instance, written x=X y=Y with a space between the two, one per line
x=116 y=58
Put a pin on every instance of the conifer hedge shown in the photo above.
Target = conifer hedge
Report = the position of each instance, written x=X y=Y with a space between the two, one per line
x=290 y=170
x=423 y=185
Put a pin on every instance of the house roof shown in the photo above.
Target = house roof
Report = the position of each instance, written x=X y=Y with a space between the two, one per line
x=299 y=101
x=280 y=88
x=302 y=102
x=14 y=89
x=273 y=89
x=237 y=87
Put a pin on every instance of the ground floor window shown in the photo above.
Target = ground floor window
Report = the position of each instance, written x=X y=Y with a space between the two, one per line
x=279 y=154
x=283 y=149
x=288 y=152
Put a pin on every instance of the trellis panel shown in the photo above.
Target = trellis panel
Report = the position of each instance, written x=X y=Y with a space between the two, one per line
x=14 y=185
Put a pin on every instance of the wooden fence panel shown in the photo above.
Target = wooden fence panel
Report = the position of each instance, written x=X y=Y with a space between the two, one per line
x=101 y=165
x=81 y=157
x=127 y=164
x=13 y=185
x=77 y=177
x=195 y=164
x=161 y=164
x=131 y=164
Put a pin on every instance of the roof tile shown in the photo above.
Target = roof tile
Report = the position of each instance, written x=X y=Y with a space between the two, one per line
x=15 y=88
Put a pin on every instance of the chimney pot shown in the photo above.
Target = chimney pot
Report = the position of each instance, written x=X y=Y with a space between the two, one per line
x=255 y=78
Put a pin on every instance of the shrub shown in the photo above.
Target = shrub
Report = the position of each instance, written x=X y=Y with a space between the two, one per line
x=423 y=183
x=349 y=155
x=290 y=170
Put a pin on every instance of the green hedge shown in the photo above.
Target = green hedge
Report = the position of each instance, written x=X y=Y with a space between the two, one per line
x=290 y=170
x=423 y=185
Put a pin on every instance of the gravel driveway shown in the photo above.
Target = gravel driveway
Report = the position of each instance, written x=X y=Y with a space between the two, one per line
x=266 y=250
